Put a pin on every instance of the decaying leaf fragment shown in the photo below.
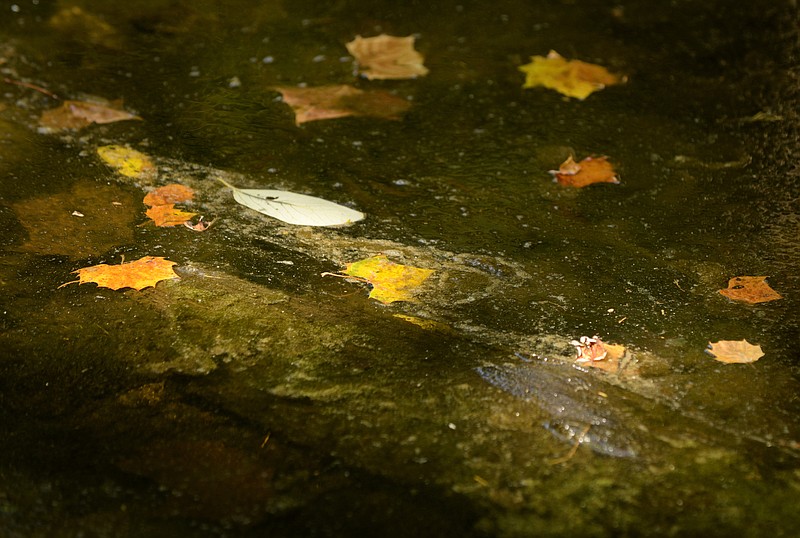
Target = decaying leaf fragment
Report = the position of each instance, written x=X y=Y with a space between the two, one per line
x=127 y=161
x=387 y=57
x=339 y=101
x=593 y=352
x=734 y=351
x=587 y=172
x=572 y=78
x=750 y=289
x=390 y=281
x=139 y=274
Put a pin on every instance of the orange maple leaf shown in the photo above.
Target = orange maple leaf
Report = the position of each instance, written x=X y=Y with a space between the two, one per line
x=587 y=172
x=339 y=101
x=387 y=57
x=79 y=114
x=750 y=289
x=139 y=274
x=169 y=194
x=167 y=215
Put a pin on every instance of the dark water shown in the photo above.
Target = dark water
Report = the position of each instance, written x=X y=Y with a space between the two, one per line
x=254 y=397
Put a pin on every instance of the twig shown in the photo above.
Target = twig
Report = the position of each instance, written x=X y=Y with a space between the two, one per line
x=28 y=85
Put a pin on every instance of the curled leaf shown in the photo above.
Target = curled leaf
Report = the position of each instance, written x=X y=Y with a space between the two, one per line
x=587 y=172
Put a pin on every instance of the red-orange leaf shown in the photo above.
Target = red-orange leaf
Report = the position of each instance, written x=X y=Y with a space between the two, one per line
x=140 y=274
x=169 y=194
x=588 y=171
x=167 y=215
x=750 y=289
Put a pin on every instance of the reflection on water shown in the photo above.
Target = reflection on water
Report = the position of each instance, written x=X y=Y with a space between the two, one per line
x=253 y=396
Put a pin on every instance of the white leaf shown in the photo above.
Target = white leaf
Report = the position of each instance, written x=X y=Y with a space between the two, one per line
x=294 y=208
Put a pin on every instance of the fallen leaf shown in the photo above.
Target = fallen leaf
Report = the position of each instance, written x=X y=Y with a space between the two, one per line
x=572 y=78
x=201 y=226
x=78 y=114
x=427 y=324
x=294 y=208
x=750 y=289
x=339 y=101
x=387 y=57
x=140 y=274
x=590 y=170
x=595 y=353
x=390 y=281
x=53 y=226
x=167 y=215
x=173 y=193
x=734 y=351
x=85 y=27
x=127 y=161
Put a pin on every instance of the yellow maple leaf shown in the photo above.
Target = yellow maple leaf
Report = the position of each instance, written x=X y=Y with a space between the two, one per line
x=390 y=281
x=572 y=78
x=139 y=274
x=127 y=161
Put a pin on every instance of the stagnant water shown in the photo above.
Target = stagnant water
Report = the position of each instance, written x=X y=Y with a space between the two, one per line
x=254 y=396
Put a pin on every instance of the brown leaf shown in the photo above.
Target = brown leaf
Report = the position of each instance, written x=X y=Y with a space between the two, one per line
x=140 y=274
x=78 y=114
x=734 y=351
x=387 y=57
x=587 y=172
x=338 y=101
x=750 y=289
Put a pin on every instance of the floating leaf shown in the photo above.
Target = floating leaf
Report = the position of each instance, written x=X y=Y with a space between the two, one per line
x=734 y=351
x=750 y=289
x=140 y=274
x=572 y=78
x=127 y=161
x=167 y=215
x=339 y=101
x=169 y=194
x=79 y=114
x=294 y=208
x=590 y=170
x=390 y=281
x=387 y=57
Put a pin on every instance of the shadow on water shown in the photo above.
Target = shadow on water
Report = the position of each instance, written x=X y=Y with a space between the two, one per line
x=254 y=397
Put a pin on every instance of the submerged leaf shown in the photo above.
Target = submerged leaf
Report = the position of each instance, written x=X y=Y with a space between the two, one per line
x=79 y=114
x=294 y=208
x=750 y=289
x=572 y=78
x=387 y=57
x=127 y=161
x=173 y=193
x=390 y=281
x=734 y=351
x=339 y=101
x=139 y=274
